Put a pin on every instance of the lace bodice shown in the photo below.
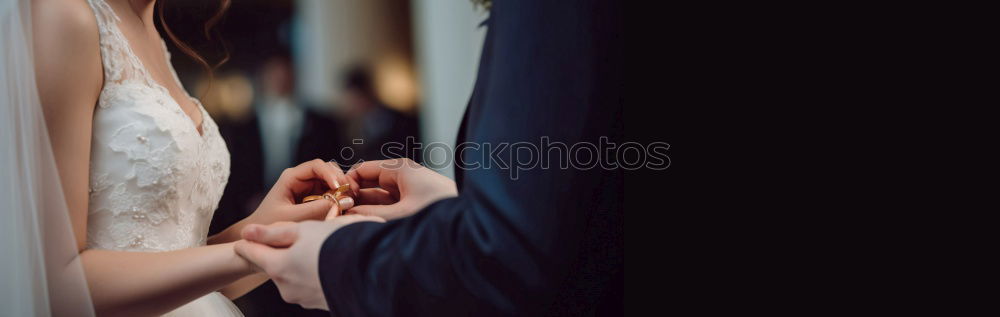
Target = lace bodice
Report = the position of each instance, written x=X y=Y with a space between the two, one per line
x=154 y=180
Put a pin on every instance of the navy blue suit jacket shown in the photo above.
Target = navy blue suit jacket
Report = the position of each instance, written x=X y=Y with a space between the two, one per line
x=550 y=242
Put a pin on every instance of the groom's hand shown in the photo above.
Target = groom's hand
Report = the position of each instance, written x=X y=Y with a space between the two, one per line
x=289 y=254
x=398 y=188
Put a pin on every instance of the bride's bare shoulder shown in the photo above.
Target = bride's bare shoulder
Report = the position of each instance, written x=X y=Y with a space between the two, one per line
x=66 y=48
x=74 y=17
x=64 y=24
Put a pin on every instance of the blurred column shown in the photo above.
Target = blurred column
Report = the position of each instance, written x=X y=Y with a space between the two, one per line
x=327 y=39
x=448 y=41
x=331 y=35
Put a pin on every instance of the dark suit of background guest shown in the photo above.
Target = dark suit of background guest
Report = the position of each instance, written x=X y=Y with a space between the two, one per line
x=549 y=243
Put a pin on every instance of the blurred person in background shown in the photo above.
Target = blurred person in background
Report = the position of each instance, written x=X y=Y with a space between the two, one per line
x=370 y=124
x=277 y=134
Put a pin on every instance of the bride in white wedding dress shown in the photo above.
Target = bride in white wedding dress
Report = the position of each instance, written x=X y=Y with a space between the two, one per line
x=143 y=166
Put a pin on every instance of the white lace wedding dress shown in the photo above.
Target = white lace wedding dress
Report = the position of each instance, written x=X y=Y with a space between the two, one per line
x=155 y=181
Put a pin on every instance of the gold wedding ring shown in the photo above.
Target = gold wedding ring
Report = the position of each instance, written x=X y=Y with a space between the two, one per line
x=328 y=195
x=341 y=190
x=311 y=198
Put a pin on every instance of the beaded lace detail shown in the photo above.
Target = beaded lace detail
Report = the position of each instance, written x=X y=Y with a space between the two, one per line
x=154 y=180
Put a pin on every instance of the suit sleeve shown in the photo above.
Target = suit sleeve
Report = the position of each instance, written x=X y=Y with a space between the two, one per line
x=527 y=221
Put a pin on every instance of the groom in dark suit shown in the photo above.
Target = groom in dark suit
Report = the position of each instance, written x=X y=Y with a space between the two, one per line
x=549 y=241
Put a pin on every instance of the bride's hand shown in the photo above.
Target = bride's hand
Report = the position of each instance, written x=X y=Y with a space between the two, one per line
x=312 y=177
x=281 y=202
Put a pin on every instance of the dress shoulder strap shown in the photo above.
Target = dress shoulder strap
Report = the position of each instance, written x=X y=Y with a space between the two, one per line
x=120 y=63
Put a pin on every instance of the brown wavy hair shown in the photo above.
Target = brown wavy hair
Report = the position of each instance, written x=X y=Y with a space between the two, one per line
x=207 y=28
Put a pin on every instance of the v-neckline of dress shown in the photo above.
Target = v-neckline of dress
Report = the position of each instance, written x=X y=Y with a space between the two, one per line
x=199 y=128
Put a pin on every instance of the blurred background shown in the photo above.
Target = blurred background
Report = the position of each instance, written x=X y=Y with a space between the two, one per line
x=329 y=79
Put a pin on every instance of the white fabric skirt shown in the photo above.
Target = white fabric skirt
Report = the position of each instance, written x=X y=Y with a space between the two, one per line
x=213 y=305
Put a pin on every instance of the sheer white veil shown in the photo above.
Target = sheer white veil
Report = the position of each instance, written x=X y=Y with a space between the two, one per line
x=40 y=271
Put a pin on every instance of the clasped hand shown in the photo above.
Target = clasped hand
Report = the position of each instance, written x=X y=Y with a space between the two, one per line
x=384 y=190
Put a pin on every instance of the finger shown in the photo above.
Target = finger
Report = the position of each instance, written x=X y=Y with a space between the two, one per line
x=250 y=231
x=376 y=196
x=258 y=254
x=381 y=172
x=349 y=219
x=344 y=203
x=340 y=176
x=299 y=179
x=383 y=211
x=355 y=185
x=354 y=180
x=372 y=170
x=278 y=235
x=314 y=210
x=363 y=183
